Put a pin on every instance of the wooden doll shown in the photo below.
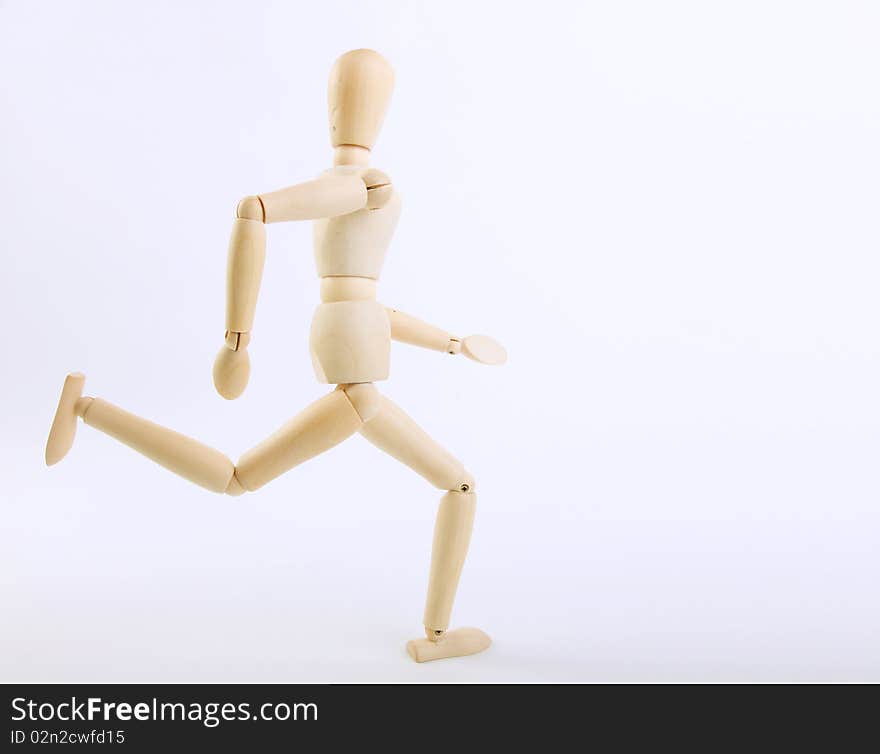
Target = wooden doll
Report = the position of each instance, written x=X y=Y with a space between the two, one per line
x=355 y=209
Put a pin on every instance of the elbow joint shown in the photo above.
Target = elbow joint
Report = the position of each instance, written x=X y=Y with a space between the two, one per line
x=251 y=208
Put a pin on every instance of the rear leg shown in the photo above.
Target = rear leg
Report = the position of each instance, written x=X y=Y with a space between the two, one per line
x=322 y=425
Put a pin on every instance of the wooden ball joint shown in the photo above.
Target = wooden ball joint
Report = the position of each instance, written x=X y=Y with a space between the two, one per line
x=354 y=209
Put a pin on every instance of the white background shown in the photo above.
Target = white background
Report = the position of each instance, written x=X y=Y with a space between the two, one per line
x=666 y=211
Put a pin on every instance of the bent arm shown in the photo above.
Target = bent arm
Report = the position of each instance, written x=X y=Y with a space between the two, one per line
x=331 y=194
x=327 y=196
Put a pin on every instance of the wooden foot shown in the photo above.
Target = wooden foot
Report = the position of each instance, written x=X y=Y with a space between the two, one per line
x=455 y=643
x=64 y=425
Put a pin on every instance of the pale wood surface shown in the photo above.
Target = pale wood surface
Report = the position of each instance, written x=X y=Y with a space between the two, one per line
x=456 y=643
x=483 y=349
x=393 y=431
x=365 y=398
x=63 y=430
x=350 y=341
x=452 y=537
x=320 y=426
x=356 y=243
x=232 y=369
x=184 y=456
x=346 y=288
x=408 y=329
x=361 y=82
x=334 y=192
x=244 y=272
x=350 y=154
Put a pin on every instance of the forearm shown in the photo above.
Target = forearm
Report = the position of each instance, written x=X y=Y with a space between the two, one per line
x=408 y=329
x=244 y=272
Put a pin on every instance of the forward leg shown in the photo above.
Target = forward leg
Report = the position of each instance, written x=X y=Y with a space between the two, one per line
x=398 y=435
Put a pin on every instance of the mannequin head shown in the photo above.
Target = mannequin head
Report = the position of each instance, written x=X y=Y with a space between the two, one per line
x=361 y=83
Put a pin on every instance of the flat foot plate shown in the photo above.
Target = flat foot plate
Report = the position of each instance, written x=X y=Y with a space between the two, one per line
x=456 y=643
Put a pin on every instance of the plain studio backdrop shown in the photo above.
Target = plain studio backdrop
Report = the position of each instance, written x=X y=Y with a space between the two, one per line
x=666 y=212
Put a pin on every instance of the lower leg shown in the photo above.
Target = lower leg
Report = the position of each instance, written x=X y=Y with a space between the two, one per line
x=184 y=456
x=191 y=459
x=452 y=535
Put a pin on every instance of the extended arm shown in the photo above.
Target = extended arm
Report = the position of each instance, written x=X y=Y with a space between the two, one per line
x=334 y=193
x=407 y=329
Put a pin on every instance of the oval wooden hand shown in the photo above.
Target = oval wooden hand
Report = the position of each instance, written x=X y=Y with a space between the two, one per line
x=484 y=349
x=231 y=372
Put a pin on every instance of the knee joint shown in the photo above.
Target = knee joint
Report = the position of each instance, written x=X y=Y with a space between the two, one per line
x=235 y=487
x=364 y=398
x=465 y=484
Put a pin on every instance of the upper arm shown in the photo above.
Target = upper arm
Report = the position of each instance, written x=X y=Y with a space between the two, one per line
x=328 y=195
x=338 y=191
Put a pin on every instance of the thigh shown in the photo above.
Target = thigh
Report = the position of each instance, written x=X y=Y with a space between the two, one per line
x=319 y=427
x=393 y=431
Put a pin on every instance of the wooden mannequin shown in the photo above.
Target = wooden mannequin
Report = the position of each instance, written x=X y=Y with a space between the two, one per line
x=355 y=209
